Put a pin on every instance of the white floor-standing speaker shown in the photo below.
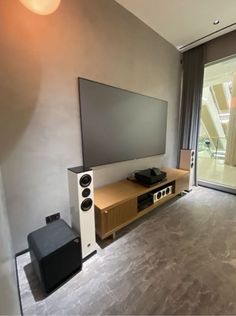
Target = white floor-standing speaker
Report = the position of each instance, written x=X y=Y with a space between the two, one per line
x=187 y=162
x=82 y=207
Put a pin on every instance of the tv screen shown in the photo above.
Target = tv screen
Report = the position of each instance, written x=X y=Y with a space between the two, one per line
x=119 y=125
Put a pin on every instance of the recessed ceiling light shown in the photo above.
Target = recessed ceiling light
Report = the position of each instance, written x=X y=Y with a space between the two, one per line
x=43 y=7
x=216 y=21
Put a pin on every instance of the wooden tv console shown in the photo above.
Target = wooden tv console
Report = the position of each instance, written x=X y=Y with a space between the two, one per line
x=116 y=204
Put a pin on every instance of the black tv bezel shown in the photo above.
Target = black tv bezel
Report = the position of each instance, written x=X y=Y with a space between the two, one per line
x=81 y=124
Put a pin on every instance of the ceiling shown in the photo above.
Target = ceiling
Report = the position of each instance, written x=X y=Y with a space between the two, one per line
x=182 y=22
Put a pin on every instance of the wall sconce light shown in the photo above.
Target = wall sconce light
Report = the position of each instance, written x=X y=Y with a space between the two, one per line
x=42 y=7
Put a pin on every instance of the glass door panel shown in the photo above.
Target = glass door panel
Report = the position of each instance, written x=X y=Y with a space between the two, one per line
x=217 y=136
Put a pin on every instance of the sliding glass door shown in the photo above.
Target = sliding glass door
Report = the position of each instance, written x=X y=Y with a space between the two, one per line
x=217 y=136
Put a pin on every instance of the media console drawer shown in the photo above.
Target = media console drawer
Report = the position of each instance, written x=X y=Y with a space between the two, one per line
x=116 y=205
x=115 y=217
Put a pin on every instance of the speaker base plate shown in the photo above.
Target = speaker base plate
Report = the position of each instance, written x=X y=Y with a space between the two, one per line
x=89 y=256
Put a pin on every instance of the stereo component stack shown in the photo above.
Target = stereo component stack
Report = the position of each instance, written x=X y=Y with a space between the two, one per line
x=82 y=207
x=187 y=162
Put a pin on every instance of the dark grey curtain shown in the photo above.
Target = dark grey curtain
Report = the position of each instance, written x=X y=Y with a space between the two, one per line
x=193 y=72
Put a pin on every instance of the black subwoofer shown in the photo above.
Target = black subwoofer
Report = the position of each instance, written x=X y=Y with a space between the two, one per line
x=55 y=252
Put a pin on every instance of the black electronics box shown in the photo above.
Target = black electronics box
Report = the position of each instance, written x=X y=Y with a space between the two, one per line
x=55 y=252
x=144 y=201
x=150 y=176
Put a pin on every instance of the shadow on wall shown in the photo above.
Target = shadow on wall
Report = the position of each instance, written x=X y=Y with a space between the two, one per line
x=18 y=94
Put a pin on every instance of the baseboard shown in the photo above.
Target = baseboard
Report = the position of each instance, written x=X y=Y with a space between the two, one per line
x=17 y=277
x=21 y=252
x=18 y=287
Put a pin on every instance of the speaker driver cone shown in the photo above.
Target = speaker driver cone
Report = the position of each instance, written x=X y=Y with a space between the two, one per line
x=159 y=195
x=86 y=204
x=86 y=192
x=85 y=180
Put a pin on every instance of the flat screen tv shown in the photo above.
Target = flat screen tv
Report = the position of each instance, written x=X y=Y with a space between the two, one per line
x=119 y=125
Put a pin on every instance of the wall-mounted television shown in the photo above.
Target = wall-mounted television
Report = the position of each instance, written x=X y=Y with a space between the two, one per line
x=119 y=125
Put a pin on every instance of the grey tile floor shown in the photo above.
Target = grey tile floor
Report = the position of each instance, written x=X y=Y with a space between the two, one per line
x=178 y=260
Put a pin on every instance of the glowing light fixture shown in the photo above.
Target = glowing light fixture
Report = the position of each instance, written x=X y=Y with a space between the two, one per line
x=43 y=7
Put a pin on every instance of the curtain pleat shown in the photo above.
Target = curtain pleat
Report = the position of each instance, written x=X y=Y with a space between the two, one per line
x=193 y=72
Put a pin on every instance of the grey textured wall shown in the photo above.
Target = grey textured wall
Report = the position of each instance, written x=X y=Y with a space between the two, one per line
x=9 y=302
x=221 y=47
x=41 y=58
